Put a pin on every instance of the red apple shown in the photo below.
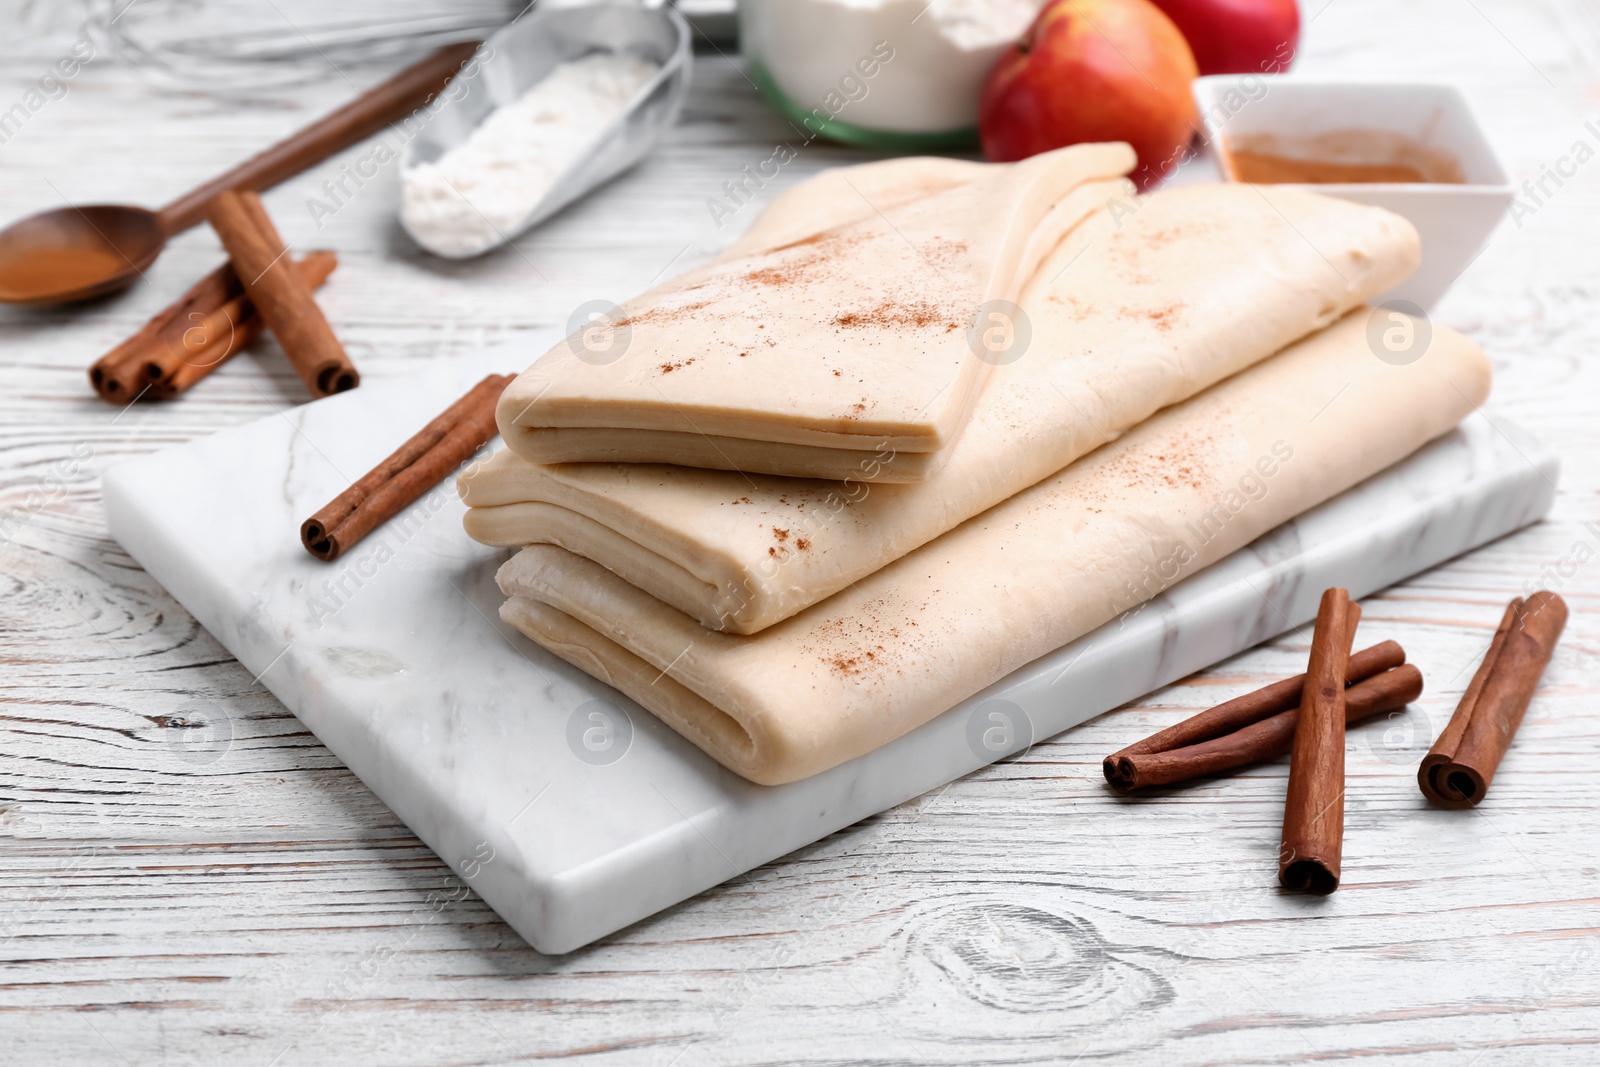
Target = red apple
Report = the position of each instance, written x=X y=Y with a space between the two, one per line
x=1238 y=36
x=1093 y=70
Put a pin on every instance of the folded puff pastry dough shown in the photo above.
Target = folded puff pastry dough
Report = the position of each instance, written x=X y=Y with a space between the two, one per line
x=840 y=196
x=1143 y=305
x=851 y=340
x=1170 y=497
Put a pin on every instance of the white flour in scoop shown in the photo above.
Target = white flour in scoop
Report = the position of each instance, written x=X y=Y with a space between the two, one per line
x=462 y=203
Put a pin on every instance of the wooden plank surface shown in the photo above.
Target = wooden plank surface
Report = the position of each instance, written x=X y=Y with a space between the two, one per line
x=188 y=877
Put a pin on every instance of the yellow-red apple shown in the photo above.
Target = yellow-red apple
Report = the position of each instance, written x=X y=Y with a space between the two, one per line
x=1238 y=36
x=1093 y=70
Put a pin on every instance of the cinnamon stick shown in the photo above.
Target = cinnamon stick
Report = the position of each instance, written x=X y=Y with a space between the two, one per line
x=1457 y=771
x=280 y=294
x=1263 y=740
x=213 y=338
x=1428 y=772
x=1243 y=711
x=1313 y=815
x=122 y=374
x=411 y=470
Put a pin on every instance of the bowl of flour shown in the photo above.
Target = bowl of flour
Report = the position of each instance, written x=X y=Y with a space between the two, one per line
x=896 y=74
x=553 y=106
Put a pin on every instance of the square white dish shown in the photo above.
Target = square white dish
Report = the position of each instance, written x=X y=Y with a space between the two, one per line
x=1454 y=219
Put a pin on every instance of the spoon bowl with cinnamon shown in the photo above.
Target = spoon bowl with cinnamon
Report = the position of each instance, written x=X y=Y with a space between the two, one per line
x=75 y=253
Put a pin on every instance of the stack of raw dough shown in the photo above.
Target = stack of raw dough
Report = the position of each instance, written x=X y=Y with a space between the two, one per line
x=1195 y=376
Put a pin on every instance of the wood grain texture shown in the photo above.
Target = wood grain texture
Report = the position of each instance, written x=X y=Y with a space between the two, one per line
x=188 y=877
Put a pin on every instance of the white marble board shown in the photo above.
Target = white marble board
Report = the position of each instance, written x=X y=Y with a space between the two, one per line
x=570 y=809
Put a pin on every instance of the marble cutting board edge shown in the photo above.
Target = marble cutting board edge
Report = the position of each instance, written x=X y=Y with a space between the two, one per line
x=464 y=727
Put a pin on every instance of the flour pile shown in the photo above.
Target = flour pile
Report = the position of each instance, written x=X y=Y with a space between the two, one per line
x=478 y=192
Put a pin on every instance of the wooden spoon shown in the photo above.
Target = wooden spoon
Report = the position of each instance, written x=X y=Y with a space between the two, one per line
x=74 y=253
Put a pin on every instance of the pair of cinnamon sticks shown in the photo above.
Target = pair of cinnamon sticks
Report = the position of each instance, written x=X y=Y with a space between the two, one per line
x=188 y=340
x=1308 y=714
x=1260 y=725
x=259 y=287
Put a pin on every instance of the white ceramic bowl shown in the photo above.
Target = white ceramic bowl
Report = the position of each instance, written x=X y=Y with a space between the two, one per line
x=1453 y=219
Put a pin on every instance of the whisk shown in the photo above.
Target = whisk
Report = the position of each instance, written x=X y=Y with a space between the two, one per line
x=243 y=47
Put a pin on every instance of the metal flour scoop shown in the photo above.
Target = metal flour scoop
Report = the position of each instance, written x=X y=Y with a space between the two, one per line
x=522 y=54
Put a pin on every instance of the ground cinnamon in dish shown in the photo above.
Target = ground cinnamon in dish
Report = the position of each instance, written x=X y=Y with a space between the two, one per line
x=1264 y=168
x=1353 y=156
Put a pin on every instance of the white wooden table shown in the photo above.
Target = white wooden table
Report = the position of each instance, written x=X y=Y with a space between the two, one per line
x=188 y=877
